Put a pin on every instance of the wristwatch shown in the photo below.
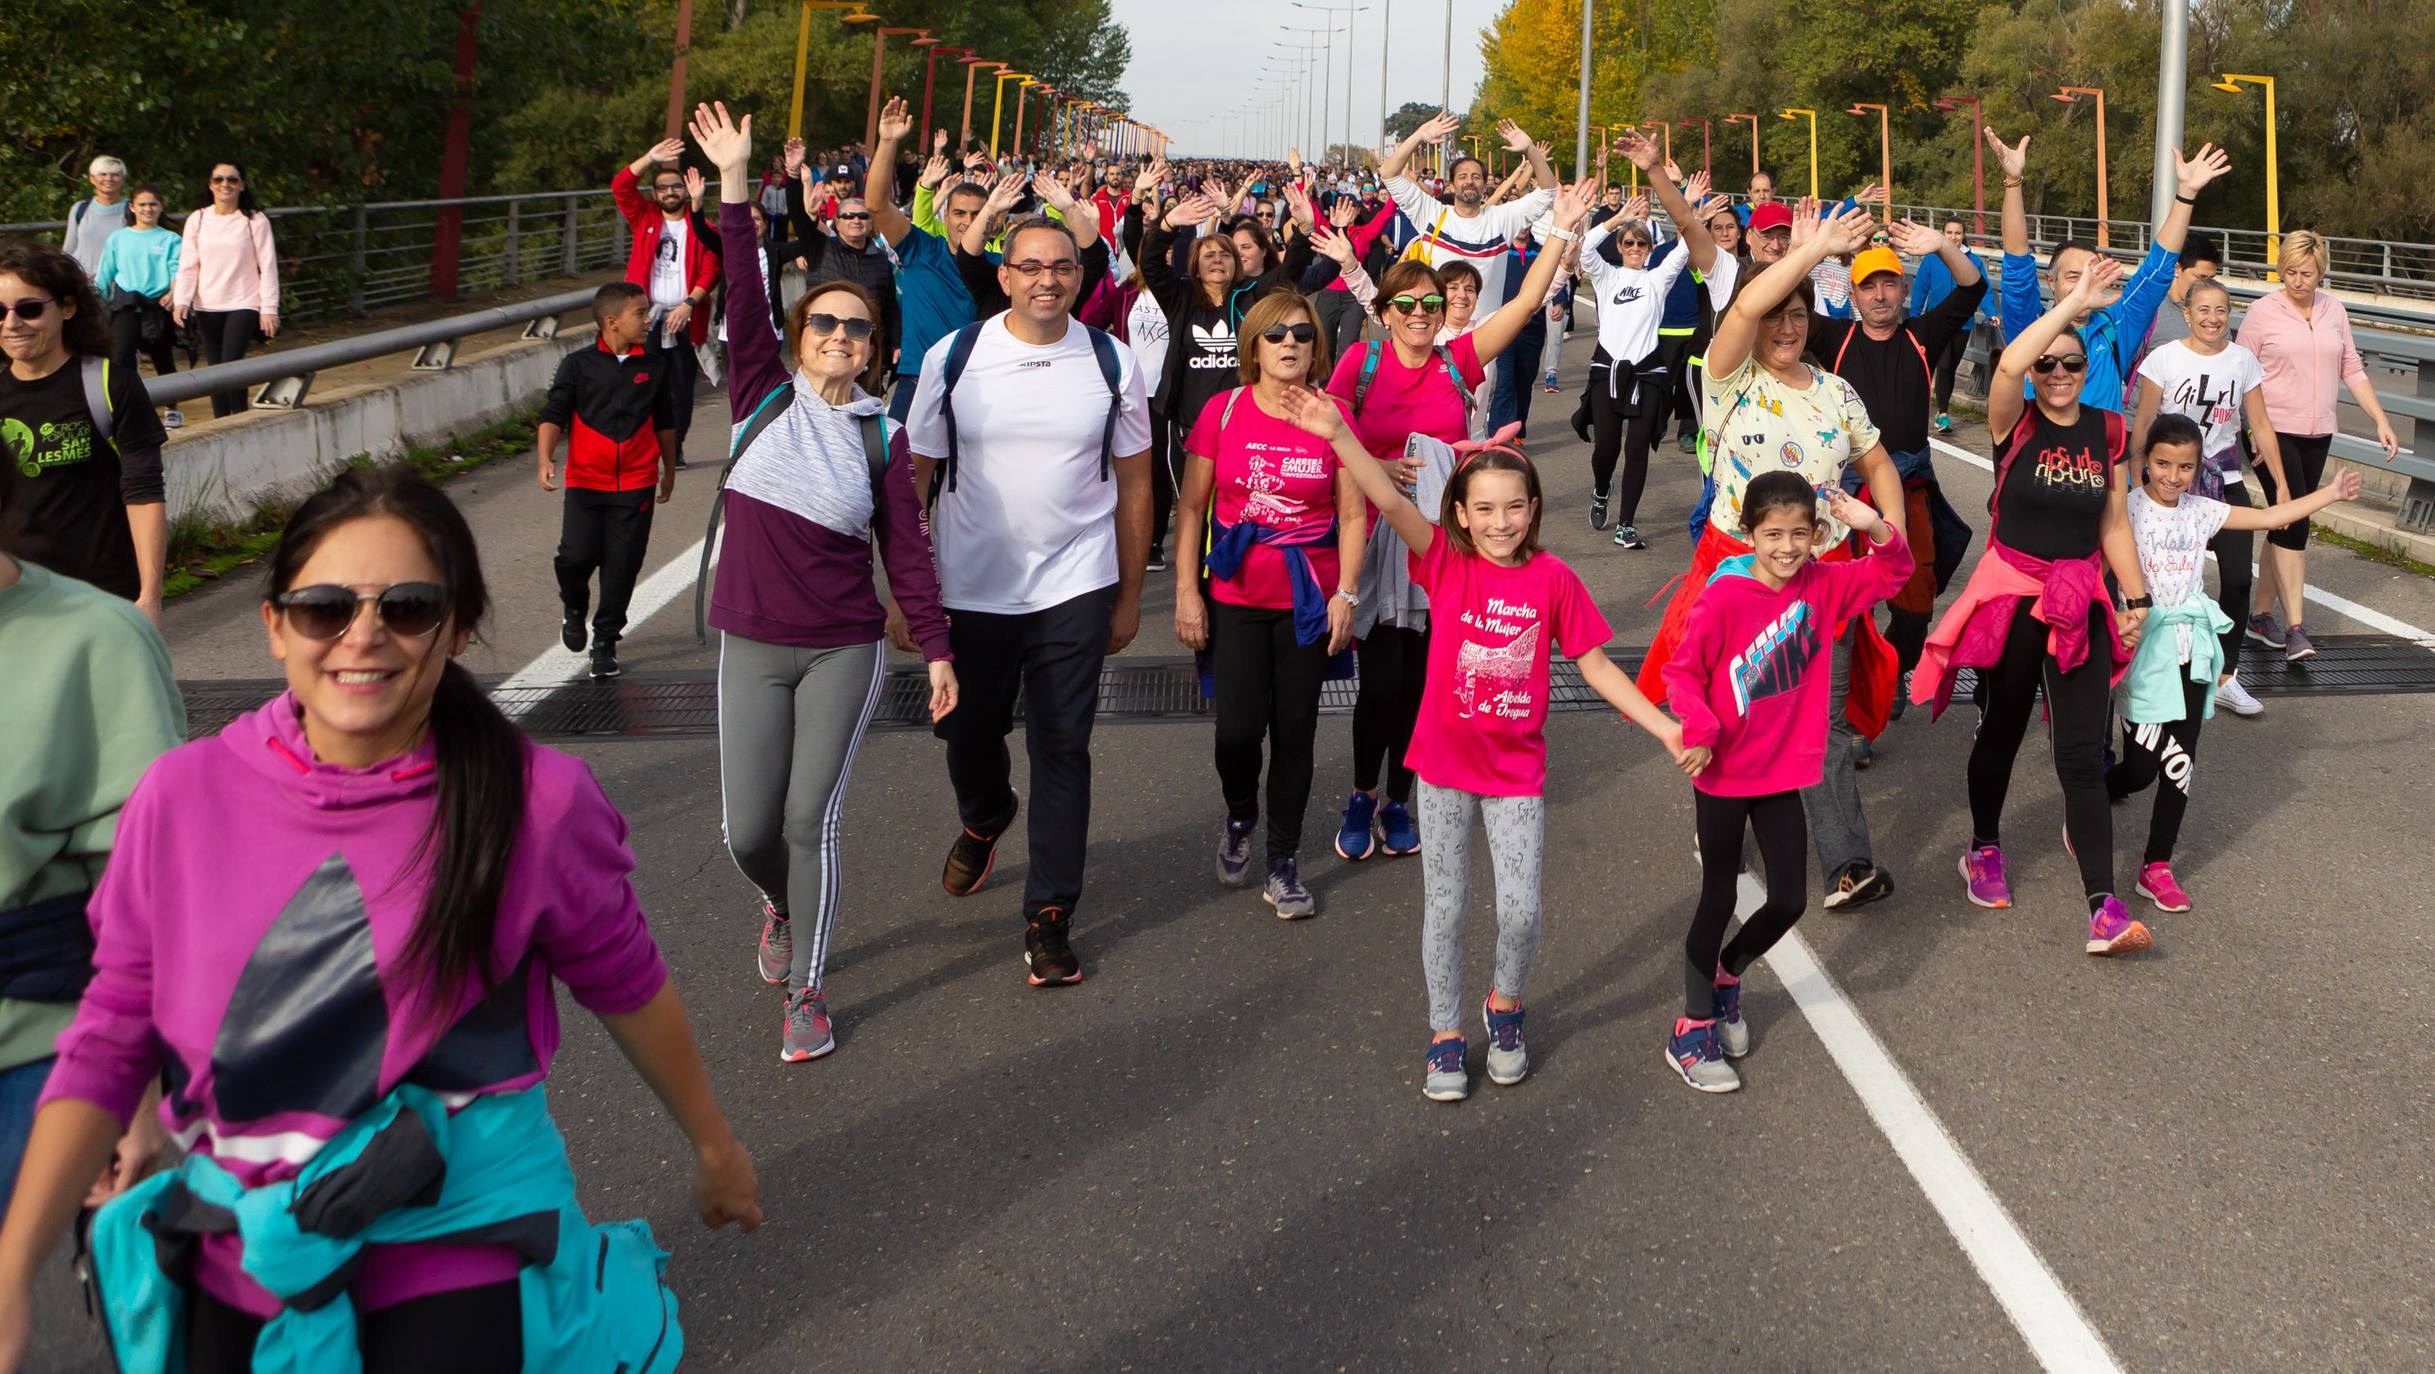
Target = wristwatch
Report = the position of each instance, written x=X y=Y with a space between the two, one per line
x=1349 y=598
x=2137 y=603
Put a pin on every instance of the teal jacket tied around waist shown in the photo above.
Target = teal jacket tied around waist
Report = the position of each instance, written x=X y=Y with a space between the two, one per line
x=495 y=1173
x=2153 y=687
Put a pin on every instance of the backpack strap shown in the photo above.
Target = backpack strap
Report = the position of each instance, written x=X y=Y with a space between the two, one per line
x=1369 y=374
x=763 y=415
x=96 y=374
x=959 y=353
x=1111 y=371
x=874 y=429
x=1226 y=416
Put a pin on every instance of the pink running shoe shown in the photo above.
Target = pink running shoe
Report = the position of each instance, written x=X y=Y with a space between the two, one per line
x=2112 y=931
x=1983 y=869
x=2157 y=885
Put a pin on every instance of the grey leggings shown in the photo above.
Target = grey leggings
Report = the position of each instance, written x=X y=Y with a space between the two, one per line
x=789 y=722
x=1517 y=835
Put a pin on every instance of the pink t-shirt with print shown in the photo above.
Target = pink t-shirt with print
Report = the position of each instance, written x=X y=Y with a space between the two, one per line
x=1270 y=472
x=1483 y=717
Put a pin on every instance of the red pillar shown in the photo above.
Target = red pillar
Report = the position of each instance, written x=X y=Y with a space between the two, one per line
x=449 y=232
x=676 y=73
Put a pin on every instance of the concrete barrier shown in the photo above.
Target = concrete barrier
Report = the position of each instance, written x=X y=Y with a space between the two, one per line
x=227 y=465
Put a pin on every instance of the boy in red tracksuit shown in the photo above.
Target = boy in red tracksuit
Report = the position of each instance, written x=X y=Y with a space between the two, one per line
x=613 y=405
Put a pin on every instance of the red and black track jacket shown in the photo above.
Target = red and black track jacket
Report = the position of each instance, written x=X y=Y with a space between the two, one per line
x=612 y=410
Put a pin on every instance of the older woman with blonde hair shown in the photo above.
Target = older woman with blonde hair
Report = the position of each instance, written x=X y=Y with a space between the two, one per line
x=2301 y=336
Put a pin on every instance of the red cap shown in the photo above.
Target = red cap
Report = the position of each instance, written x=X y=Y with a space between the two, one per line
x=1772 y=215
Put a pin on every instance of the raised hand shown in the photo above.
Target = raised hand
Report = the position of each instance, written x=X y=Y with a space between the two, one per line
x=1804 y=220
x=667 y=150
x=1573 y=203
x=1644 y=154
x=695 y=182
x=1344 y=213
x=1335 y=245
x=1516 y=141
x=895 y=120
x=1440 y=127
x=1917 y=240
x=793 y=154
x=1314 y=411
x=2193 y=174
x=1090 y=150
x=1870 y=194
x=1636 y=208
x=1149 y=177
x=724 y=140
x=1710 y=207
x=1848 y=232
x=1293 y=160
x=938 y=143
x=1696 y=190
x=1857 y=515
x=1673 y=173
x=935 y=171
x=1298 y=201
x=2013 y=157
x=1006 y=192
x=1192 y=209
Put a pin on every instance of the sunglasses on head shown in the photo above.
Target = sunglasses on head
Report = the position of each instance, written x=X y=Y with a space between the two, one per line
x=1299 y=333
x=1428 y=305
x=821 y=324
x=326 y=610
x=29 y=310
x=2069 y=362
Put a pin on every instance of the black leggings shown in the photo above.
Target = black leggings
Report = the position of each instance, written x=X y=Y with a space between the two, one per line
x=2304 y=463
x=1948 y=362
x=2169 y=751
x=1776 y=822
x=468 y=1331
x=1267 y=686
x=127 y=340
x=1678 y=349
x=2079 y=702
x=1394 y=664
x=2233 y=549
x=1613 y=432
x=226 y=334
x=1166 y=474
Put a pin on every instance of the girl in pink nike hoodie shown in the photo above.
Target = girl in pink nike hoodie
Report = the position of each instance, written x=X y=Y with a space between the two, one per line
x=1750 y=684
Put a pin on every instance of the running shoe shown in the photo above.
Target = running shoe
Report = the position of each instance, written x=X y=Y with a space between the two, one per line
x=2296 y=645
x=1234 y=854
x=777 y=945
x=1695 y=1052
x=1508 y=1059
x=173 y=418
x=2233 y=697
x=1690 y=441
x=1725 y=1008
x=1549 y=381
x=1983 y=869
x=2266 y=630
x=1285 y=892
x=1944 y=423
x=1627 y=537
x=2156 y=883
x=970 y=859
x=1047 y=954
x=571 y=631
x=1356 y=838
x=1858 y=883
x=1158 y=559
x=2112 y=931
x=1446 y=1082
x=604 y=660
x=808 y=1034
x=1864 y=753
x=1397 y=835
x=1598 y=510
x=1902 y=698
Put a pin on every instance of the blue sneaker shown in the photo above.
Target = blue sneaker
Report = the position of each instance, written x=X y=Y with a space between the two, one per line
x=1447 y=1081
x=1692 y=1051
x=1234 y=853
x=1508 y=1061
x=1732 y=1032
x=1397 y=836
x=1355 y=839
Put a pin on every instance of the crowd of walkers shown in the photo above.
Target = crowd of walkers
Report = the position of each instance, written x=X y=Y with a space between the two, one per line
x=1013 y=392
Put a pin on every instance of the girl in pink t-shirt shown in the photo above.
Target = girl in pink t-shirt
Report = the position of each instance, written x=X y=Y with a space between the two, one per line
x=1750 y=682
x=1502 y=606
x=1282 y=554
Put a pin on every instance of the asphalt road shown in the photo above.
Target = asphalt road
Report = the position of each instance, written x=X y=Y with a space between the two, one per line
x=1213 y=1154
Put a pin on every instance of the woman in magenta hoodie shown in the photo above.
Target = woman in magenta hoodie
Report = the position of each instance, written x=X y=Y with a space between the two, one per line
x=1754 y=710
x=365 y=886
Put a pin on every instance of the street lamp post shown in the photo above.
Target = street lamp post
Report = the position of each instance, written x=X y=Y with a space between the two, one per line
x=1348 y=10
x=1978 y=158
x=1885 y=152
x=803 y=48
x=972 y=68
x=1665 y=132
x=2070 y=95
x=879 y=53
x=1813 y=146
x=930 y=86
x=2232 y=82
x=1706 y=150
x=1386 y=30
x=997 y=110
x=1022 y=93
x=1326 y=48
x=1753 y=121
x=1581 y=114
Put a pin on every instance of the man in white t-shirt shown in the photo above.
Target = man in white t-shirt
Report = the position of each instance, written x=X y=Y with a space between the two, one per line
x=1042 y=527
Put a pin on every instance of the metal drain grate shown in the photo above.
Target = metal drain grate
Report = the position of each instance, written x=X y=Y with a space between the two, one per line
x=660 y=705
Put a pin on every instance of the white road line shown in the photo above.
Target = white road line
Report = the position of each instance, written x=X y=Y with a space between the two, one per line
x=2341 y=605
x=2052 y=1325
x=556 y=665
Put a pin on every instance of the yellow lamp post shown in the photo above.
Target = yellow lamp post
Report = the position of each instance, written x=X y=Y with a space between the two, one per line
x=997 y=109
x=803 y=48
x=2070 y=95
x=1813 y=146
x=2232 y=82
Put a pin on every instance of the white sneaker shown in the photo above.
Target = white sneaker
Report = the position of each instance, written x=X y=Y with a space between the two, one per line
x=172 y=418
x=2231 y=696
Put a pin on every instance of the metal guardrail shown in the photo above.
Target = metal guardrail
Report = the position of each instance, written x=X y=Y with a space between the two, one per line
x=286 y=375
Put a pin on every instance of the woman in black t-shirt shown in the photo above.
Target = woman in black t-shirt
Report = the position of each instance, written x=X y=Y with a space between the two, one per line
x=90 y=506
x=2036 y=612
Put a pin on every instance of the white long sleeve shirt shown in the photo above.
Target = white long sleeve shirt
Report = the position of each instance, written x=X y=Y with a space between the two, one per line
x=1484 y=240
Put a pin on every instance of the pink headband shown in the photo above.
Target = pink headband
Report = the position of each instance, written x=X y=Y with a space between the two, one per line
x=1506 y=440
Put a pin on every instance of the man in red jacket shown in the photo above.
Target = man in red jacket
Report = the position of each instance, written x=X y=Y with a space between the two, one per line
x=675 y=264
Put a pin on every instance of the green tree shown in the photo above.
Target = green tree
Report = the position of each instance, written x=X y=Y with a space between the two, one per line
x=1410 y=116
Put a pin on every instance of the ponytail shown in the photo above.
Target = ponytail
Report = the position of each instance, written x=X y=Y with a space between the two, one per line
x=479 y=762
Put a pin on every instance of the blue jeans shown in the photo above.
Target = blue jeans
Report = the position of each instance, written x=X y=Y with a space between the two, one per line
x=1515 y=381
x=19 y=1088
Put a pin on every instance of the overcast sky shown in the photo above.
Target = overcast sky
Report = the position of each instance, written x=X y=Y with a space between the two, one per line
x=1194 y=62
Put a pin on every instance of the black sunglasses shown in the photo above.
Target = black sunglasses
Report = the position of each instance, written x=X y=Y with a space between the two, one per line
x=853 y=214
x=29 y=310
x=821 y=324
x=2069 y=362
x=1300 y=333
x=1635 y=243
x=325 y=610
x=227 y=181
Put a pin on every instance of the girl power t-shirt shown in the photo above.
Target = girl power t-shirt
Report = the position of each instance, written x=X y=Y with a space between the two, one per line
x=1483 y=719
x=1274 y=473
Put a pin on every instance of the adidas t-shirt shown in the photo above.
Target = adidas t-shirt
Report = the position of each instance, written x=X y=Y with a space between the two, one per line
x=1030 y=524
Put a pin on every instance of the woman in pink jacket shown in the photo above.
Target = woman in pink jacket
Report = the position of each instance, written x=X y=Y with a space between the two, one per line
x=228 y=276
x=2301 y=337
